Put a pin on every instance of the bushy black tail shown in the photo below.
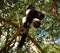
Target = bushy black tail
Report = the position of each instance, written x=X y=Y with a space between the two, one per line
x=22 y=40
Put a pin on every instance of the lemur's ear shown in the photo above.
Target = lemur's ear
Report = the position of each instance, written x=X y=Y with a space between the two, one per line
x=30 y=7
x=27 y=11
x=42 y=16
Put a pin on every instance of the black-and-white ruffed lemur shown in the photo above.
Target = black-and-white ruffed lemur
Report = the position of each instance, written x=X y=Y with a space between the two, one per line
x=33 y=17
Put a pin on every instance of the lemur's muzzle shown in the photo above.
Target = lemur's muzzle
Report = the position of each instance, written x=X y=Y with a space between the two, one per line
x=36 y=24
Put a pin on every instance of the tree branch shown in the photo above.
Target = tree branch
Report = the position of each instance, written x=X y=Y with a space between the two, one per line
x=9 y=22
x=18 y=33
x=36 y=44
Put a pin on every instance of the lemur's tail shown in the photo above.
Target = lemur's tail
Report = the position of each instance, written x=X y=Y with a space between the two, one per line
x=22 y=40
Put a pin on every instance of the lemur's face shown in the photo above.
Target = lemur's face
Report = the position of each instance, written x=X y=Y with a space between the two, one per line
x=33 y=17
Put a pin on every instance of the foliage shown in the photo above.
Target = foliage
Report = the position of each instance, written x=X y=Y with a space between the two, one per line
x=46 y=36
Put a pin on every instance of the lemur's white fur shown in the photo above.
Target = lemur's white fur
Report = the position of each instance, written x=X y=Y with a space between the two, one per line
x=23 y=20
x=27 y=11
x=35 y=19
